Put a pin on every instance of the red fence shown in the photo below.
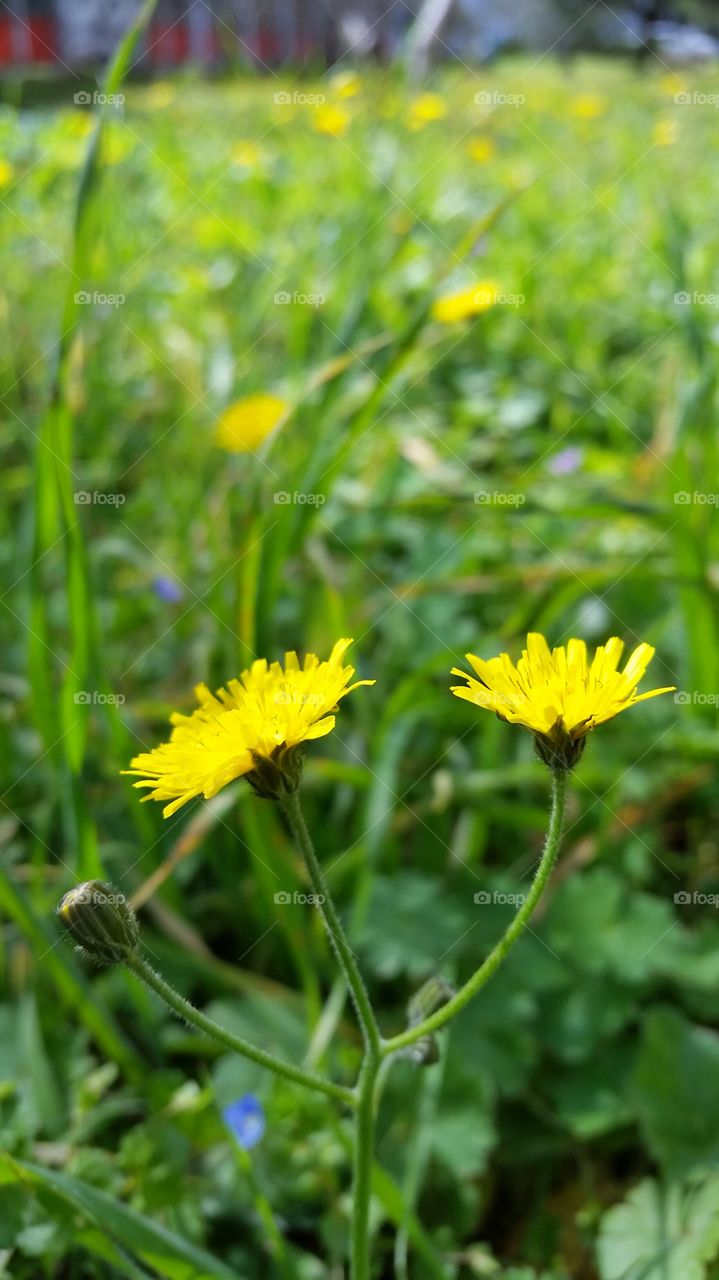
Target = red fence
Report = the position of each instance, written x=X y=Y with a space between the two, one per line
x=258 y=31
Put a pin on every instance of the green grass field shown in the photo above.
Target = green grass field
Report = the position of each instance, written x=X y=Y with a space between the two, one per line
x=436 y=486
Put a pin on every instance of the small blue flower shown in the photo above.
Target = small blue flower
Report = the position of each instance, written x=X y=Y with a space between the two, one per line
x=245 y=1119
x=566 y=461
x=167 y=589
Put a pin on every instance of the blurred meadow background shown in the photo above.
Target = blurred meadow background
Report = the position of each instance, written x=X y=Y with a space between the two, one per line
x=446 y=473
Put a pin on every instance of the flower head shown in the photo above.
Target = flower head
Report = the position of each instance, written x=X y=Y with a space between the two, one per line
x=346 y=84
x=248 y=155
x=250 y=729
x=247 y=422
x=245 y=1118
x=425 y=109
x=665 y=133
x=331 y=120
x=167 y=589
x=481 y=149
x=587 y=106
x=557 y=693
x=466 y=303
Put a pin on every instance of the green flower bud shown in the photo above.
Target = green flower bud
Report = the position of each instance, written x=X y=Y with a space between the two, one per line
x=101 y=921
x=277 y=775
x=435 y=992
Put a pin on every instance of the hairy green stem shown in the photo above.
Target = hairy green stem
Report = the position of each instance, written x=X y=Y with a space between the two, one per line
x=367 y=1083
x=190 y=1014
x=363 y=1161
x=290 y=806
x=513 y=932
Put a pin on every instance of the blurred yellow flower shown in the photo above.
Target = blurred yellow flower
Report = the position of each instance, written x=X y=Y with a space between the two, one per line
x=160 y=94
x=258 y=718
x=247 y=422
x=587 y=106
x=481 y=149
x=117 y=145
x=346 y=84
x=80 y=124
x=671 y=84
x=479 y=297
x=557 y=693
x=247 y=154
x=666 y=133
x=331 y=120
x=7 y=173
x=425 y=109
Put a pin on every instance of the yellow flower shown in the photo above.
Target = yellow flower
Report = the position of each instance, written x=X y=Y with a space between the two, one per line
x=557 y=694
x=666 y=133
x=465 y=303
x=331 y=120
x=117 y=146
x=247 y=729
x=248 y=154
x=160 y=94
x=426 y=109
x=80 y=124
x=249 y=421
x=346 y=84
x=671 y=84
x=481 y=150
x=587 y=106
x=7 y=173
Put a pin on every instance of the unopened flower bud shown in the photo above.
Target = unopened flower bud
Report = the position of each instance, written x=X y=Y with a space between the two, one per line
x=100 y=920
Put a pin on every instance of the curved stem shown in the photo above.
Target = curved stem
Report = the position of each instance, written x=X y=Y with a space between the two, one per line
x=513 y=932
x=190 y=1014
x=362 y=1168
x=290 y=806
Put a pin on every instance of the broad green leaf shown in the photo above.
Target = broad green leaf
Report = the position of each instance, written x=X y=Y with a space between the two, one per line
x=677 y=1098
x=661 y=1234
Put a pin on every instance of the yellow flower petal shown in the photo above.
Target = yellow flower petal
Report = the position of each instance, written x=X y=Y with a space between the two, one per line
x=331 y=120
x=462 y=305
x=425 y=109
x=481 y=150
x=587 y=106
x=268 y=709
x=249 y=421
x=547 y=690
